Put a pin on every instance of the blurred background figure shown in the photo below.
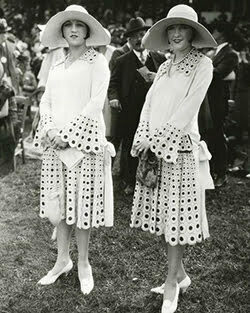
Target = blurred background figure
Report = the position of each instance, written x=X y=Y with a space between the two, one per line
x=237 y=130
x=29 y=83
x=107 y=51
x=225 y=62
x=9 y=127
x=7 y=56
x=45 y=58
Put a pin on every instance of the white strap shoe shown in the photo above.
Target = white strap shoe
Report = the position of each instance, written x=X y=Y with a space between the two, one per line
x=50 y=278
x=184 y=284
x=87 y=284
x=171 y=306
x=159 y=289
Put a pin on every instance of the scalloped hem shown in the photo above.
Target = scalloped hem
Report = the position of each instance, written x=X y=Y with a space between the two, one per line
x=83 y=134
x=158 y=234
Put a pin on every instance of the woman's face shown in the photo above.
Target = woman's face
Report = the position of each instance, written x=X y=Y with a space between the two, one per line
x=74 y=32
x=180 y=36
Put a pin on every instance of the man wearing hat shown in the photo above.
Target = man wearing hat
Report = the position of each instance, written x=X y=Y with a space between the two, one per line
x=128 y=89
x=7 y=57
x=225 y=62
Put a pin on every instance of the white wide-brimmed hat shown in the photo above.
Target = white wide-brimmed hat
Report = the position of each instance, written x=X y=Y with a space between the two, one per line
x=156 y=36
x=52 y=35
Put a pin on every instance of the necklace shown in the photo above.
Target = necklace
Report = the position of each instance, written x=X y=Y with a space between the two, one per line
x=178 y=62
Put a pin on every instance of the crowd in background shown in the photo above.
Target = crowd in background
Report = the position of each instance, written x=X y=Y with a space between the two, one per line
x=28 y=54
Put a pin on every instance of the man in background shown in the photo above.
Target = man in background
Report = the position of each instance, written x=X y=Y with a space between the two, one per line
x=225 y=62
x=131 y=78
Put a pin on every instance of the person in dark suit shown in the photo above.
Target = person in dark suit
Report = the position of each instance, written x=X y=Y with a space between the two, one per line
x=117 y=53
x=127 y=92
x=225 y=62
x=115 y=133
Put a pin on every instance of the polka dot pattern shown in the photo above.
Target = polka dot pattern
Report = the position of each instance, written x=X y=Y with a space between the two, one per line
x=172 y=208
x=190 y=62
x=89 y=55
x=142 y=132
x=185 y=66
x=83 y=134
x=44 y=125
x=82 y=187
x=167 y=142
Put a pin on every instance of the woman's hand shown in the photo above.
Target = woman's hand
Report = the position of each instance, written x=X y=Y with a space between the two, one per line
x=142 y=147
x=52 y=133
x=55 y=140
x=115 y=104
x=58 y=144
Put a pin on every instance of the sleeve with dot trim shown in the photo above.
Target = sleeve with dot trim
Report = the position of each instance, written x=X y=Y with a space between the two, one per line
x=46 y=122
x=83 y=133
x=172 y=139
x=142 y=132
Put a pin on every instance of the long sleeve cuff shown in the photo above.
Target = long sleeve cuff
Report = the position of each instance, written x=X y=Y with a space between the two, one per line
x=168 y=142
x=83 y=134
x=45 y=124
x=141 y=134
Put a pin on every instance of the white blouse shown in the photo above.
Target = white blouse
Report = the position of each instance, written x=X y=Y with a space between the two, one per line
x=177 y=93
x=169 y=117
x=77 y=90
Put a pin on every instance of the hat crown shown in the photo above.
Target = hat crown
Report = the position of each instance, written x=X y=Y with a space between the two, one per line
x=76 y=7
x=183 y=11
x=135 y=23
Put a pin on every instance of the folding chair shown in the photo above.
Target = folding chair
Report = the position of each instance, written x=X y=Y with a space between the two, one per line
x=22 y=106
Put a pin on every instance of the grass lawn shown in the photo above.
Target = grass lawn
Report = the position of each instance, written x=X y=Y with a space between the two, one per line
x=126 y=262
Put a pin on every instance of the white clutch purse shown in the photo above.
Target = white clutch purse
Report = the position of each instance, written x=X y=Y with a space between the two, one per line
x=54 y=205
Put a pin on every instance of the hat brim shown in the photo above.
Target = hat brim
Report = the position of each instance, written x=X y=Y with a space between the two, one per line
x=156 y=36
x=52 y=35
x=130 y=32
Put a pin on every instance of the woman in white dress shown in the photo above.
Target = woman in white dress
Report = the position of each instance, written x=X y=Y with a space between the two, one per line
x=76 y=183
x=175 y=206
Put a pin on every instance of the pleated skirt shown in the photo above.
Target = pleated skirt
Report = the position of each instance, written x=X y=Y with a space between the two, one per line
x=80 y=189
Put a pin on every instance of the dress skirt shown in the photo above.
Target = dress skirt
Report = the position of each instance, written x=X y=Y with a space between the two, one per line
x=174 y=207
x=80 y=189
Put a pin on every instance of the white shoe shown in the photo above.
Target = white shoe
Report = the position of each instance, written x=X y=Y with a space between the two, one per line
x=159 y=289
x=184 y=284
x=87 y=284
x=168 y=306
x=50 y=278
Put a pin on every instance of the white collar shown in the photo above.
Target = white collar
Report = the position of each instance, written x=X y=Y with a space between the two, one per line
x=89 y=56
x=222 y=45
x=185 y=66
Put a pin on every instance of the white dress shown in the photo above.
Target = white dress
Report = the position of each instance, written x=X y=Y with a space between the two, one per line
x=175 y=208
x=75 y=179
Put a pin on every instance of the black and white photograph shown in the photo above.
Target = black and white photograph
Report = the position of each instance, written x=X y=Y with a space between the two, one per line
x=124 y=156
